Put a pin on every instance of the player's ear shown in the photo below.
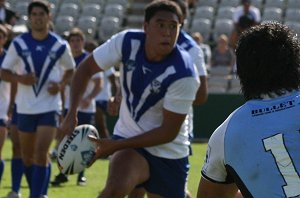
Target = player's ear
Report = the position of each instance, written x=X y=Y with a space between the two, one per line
x=146 y=26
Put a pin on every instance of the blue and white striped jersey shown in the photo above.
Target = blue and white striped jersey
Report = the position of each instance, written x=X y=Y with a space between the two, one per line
x=92 y=107
x=148 y=87
x=4 y=93
x=188 y=43
x=47 y=59
x=257 y=147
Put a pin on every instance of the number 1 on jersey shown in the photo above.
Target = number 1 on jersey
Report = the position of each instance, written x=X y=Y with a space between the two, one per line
x=275 y=144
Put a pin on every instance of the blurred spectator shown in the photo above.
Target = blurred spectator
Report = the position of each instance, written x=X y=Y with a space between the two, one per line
x=7 y=16
x=223 y=54
x=205 y=48
x=245 y=16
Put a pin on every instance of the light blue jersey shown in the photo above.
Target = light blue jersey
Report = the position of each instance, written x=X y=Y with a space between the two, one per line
x=258 y=148
x=149 y=87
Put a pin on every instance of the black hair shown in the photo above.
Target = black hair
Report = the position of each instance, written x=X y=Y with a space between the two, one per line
x=268 y=59
x=38 y=3
x=162 y=5
x=183 y=6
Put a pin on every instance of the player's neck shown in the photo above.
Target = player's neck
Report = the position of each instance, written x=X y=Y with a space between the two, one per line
x=39 y=35
x=77 y=53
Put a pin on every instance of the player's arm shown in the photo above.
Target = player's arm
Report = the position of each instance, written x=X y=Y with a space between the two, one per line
x=86 y=69
x=202 y=93
x=177 y=103
x=198 y=59
x=26 y=79
x=208 y=189
x=97 y=81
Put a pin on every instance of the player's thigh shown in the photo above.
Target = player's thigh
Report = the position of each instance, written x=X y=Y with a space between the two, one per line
x=150 y=195
x=44 y=137
x=27 y=145
x=128 y=166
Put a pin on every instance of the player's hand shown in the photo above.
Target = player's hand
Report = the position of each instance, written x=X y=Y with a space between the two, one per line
x=53 y=88
x=85 y=103
x=68 y=124
x=105 y=147
x=28 y=79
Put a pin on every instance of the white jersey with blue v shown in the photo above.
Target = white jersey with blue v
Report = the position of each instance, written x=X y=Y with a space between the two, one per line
x=47 y=59
x=149 y=87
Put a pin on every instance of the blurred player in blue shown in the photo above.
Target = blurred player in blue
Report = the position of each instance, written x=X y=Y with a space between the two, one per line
x=41 y=63
x=87 y=107
x=257 y=147
x=159 y=84
x=5 y=89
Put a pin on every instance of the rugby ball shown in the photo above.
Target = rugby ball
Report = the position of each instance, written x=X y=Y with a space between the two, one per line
x=76 y=151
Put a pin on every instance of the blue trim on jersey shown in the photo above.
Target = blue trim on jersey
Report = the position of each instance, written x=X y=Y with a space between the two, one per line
x=186 y=41
x=80 y=58
x=39 y=52
x=154 y=77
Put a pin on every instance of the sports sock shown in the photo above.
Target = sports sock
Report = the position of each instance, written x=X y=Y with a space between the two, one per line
x=39 y=175
x=17 y=170
x=2 y=164
x=81 y=174
x=47 y=179
x=28 y=173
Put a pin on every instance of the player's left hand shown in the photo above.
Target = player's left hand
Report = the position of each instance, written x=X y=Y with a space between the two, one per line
x=53 y=88
x=105 y=147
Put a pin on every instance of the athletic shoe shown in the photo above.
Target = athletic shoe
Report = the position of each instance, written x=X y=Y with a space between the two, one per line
x=81 y=181
x=43 y=196
x=13 y=194
x=59 y=179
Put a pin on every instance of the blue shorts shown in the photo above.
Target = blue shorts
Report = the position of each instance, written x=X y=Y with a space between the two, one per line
x=30 y=122
x=14 y=119
x=102 y=104
x=168 y=177
x=84 y=118
x=3 y=123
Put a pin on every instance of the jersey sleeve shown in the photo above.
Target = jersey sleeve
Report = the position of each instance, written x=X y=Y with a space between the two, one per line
x=11 y=59
x=214 y=165
x=181 y=94
x=198 y=58
x=109 y=53
x=67 y=60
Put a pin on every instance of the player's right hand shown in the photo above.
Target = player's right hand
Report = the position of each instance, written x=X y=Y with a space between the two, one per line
x=28 y=79
x=68 y=124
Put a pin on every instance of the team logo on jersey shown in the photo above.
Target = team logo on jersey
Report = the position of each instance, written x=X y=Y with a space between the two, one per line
x=52 y=55
x=130 y=65
x=26 y=53
x=155 y=87
x=145 y=69
x=39 y=48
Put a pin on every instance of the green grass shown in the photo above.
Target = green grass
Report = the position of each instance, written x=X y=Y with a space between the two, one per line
x=96 y=176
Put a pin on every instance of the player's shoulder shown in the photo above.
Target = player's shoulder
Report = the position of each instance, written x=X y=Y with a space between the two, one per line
x=186 y=41
x=133 y=34
x=57 y=38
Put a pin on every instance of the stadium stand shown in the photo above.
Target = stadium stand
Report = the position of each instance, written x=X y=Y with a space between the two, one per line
x=102 y=18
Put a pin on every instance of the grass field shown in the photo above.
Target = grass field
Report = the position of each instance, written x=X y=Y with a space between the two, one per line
x=96 y=176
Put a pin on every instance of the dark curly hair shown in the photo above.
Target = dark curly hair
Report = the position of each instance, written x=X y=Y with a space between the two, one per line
x=268 y=59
